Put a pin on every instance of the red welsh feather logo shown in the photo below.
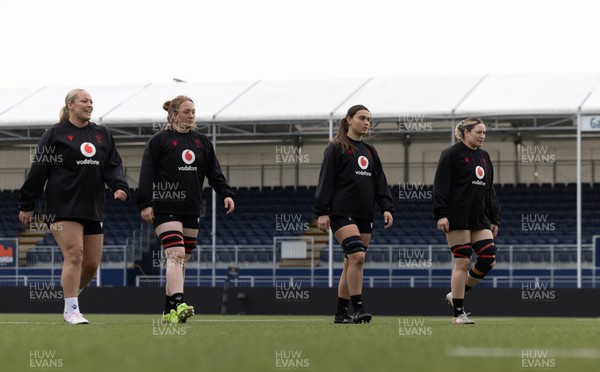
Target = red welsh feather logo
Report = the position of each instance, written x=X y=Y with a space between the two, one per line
x=98 y=138
x=466 y=159
x=197 y=143
x=174 y=143
x=70 y=137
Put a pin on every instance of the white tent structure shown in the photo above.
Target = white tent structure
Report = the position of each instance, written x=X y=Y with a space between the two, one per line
x=528 y=95
x=257 y=108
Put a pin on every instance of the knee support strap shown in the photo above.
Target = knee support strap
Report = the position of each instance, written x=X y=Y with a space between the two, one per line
x=189 y=243
x=353 y=244
x=171 y=239
x=462 y=250
x=486 y=257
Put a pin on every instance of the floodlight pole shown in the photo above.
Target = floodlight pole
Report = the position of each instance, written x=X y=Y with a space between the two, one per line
x=452 y=136
x=214 y=217
x=579 y=197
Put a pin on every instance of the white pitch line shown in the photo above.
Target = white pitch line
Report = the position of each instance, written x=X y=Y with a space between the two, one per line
x=502 y=352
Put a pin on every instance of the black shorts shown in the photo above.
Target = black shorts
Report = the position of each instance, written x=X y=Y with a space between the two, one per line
x=89 y=227
x=468 y=221
x=188 y=222
x=364 y=225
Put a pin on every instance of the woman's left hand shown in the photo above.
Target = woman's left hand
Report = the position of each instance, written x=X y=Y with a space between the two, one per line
x=494 y=229
x=388 y=220
x=120 y=195
x=229 y=205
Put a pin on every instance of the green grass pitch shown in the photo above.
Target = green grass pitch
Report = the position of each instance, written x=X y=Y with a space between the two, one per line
x=35 y=342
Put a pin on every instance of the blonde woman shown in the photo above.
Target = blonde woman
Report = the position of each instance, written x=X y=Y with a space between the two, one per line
x=467 y=210
x=85 y=160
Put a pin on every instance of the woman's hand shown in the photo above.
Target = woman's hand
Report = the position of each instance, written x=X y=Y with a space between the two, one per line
x=388 y=220
x=323 y=223
x=229 y=205
x=494 y=229
x=25 y=217
x=120 y=195
x=443 y=225
x=147 y=215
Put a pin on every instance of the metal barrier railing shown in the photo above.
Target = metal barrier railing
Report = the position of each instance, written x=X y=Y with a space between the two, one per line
x=421 y=263
x=396 y=265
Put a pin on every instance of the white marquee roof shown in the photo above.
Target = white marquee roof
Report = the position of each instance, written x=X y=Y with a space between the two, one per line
x=281 y=101
x=290 y=100
x=43 y=107
x=146 y=105
x=528 y=95
x=392 y=98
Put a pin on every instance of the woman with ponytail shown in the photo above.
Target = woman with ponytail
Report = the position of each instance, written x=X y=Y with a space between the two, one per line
x=466 y=210
x=74 y=159
x=176 y=162
x=351 y=181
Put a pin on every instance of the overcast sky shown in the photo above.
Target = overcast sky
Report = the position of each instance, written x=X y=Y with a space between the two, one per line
x=85 y=43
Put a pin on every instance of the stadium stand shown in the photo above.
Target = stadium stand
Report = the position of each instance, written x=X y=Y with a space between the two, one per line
x=258 y=215
x=245 y=238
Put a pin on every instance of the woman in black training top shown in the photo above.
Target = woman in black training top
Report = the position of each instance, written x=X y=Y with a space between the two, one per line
x=74 y=159
x=467 y=210
x=351 y=181
x=176 y=161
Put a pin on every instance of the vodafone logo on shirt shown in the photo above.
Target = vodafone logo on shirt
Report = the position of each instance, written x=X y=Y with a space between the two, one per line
x=88 y=149
x=188 y=157
x=479 y=172
x=363 y=162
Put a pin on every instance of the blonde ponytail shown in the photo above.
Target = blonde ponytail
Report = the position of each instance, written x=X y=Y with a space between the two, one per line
x=69 y=98
x=465 y=125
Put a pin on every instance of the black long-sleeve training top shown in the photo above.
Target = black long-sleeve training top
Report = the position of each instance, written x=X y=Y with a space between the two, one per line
x=174 y=166
x=463 y=189
x=351 y=183
x=74 y=164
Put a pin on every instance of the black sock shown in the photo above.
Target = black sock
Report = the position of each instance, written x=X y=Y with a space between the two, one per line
x=357 y=302
x=342 y=306
x=177 y=299
x=168 y=304
x=458 y=306
x=467 y=288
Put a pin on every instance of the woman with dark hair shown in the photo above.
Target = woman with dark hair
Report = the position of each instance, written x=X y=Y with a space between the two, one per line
x=85 y=159
x=175 y=163
x=351 y=181
x=466 y=210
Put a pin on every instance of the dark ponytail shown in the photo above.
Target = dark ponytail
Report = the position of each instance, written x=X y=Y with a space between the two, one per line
x=341 y=138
